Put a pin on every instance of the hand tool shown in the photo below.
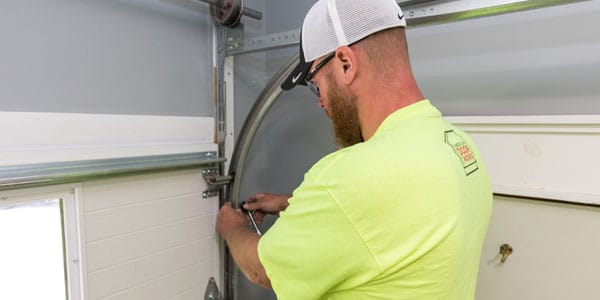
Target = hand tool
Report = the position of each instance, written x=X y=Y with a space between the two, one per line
x=251 y=215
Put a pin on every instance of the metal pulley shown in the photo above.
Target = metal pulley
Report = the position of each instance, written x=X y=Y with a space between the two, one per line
x=229 y=12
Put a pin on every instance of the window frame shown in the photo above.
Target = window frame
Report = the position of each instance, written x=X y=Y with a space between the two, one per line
x=72 y=225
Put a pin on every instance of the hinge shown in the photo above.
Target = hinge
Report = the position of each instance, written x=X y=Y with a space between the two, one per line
x=212 y=291
x=214 y=181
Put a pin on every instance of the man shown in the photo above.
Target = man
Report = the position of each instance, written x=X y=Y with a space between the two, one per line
x=401 y=211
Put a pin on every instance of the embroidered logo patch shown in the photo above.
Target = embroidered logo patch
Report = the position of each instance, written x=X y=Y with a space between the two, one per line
x=462 y=150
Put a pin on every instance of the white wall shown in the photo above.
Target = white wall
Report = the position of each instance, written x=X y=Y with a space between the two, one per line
x=548 y=157
x=135 y=237
x=150 y=237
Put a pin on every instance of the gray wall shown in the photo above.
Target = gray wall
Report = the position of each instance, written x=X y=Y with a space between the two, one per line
x=537 y=62
x=296 y=133
x=110 y=56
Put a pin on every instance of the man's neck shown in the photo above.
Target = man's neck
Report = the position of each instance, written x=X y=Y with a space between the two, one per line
x=374 y=109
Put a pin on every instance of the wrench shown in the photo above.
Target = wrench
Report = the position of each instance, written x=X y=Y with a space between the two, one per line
x=251 y=215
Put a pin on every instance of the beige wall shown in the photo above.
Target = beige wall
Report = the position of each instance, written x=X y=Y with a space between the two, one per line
x=149 y=237
x=555 y=254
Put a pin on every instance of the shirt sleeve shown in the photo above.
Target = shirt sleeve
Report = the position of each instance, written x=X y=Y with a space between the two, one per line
x=313 y=250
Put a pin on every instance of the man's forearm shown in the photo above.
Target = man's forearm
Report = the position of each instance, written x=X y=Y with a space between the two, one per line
x=243 y=245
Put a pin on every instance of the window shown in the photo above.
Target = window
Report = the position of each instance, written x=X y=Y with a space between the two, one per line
x=38 y=248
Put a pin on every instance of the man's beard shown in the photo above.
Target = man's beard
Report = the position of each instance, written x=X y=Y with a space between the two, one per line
x=344 y=115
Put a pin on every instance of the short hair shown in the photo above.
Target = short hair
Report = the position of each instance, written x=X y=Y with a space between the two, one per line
x=387 y=49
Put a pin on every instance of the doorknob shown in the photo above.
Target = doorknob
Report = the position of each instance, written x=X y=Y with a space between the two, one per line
x=505 y=251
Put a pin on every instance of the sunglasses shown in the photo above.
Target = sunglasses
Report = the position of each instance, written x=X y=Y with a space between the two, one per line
x=313 y=86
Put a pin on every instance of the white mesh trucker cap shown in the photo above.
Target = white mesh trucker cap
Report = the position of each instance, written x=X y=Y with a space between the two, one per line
x=330 y=24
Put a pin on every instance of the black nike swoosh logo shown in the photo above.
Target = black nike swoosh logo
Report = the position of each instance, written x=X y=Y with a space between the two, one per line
x=400 y=16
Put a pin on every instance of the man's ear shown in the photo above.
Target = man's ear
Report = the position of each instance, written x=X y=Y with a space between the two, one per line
x=346 y=64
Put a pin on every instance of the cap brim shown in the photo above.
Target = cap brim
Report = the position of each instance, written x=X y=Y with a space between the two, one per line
x=297 y=76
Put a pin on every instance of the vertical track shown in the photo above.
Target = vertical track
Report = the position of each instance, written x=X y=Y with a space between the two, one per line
x=237 y=164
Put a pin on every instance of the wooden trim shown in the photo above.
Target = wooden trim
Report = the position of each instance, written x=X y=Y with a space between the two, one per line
x=546 y=157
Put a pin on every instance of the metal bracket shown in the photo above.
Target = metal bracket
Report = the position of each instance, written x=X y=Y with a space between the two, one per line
x=212 y=291
x=235 y=39
x=215 y=182
x=237 y=45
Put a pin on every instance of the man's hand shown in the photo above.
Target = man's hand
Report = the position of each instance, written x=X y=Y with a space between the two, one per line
x=263 y=204
x=242 y=242
x=230 y=220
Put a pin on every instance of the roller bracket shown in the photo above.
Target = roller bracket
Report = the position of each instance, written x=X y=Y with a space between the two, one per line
x=214 y=181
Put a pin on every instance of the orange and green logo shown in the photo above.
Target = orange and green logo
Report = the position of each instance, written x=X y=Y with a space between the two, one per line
x=462 y=150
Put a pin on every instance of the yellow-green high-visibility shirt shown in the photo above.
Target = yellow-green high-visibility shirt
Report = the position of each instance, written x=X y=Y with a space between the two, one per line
x=402 y=215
